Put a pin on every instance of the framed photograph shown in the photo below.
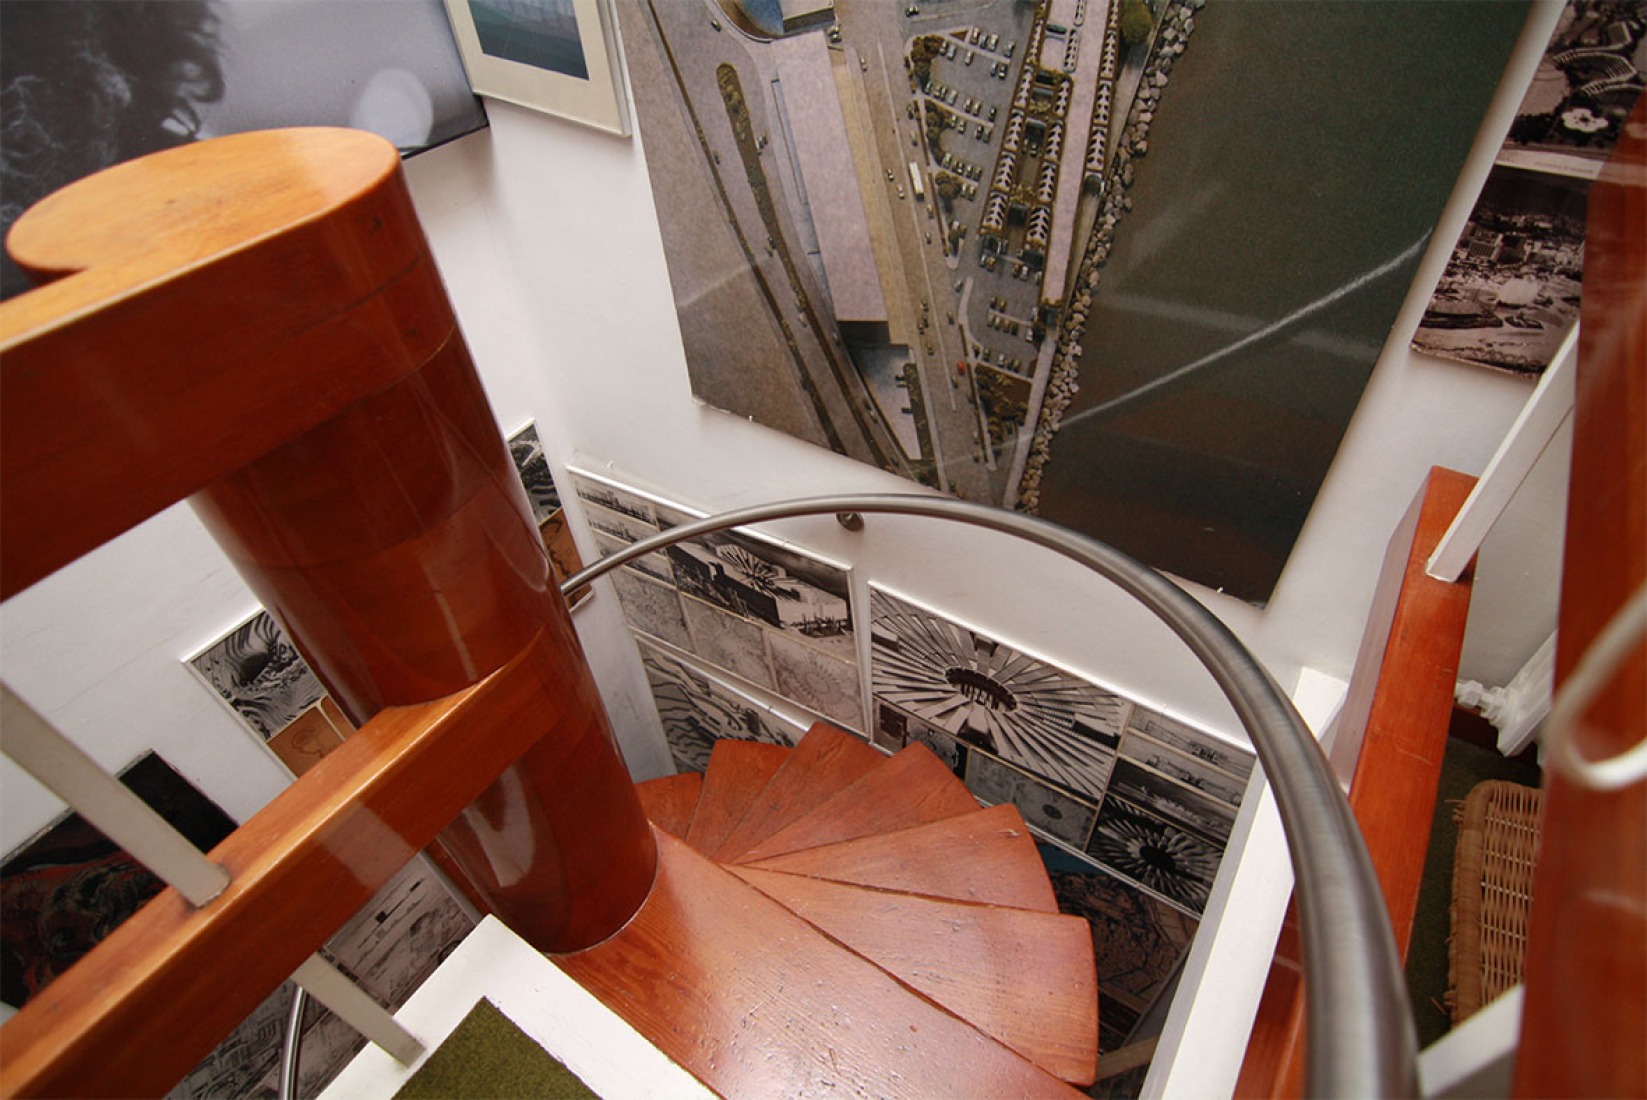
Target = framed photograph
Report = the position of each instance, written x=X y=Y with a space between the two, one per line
x=556 y=56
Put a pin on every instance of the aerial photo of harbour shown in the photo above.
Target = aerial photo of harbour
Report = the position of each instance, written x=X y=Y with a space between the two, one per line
x=886 y=224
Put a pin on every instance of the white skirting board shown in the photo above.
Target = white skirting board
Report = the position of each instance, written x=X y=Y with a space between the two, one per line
x=494 y=964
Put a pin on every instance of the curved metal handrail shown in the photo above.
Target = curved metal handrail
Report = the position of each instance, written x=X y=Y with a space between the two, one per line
x=1360 y=1040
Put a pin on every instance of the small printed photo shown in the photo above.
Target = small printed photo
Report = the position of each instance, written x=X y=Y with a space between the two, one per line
x=786 y=591
x=1172 y=801
x=817 y=681
x=728 y=642
x=697 y=710
x=1188 y=770
x=527 y=451
x=1511 y=289
x=1589 y=78
x=1204 y=747
x=894 y=729
x=990 y=695
x=257 y=671
x=651 y=608
x=1053 y=812
x=613 y=498
x=654 y=565
x=1170 y=861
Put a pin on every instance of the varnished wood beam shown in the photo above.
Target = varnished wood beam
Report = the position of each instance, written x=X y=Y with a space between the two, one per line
x=1584 y=1019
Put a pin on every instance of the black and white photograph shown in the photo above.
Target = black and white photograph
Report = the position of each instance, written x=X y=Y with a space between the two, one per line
x=698 y=709
x=654 y=565
x=817 y=680
x=1172 y=801
x=1219 y=754
x=651 y=608
x=626 y=502
x=895 y=729
x=1189 y=770
x=1055 y=813
x=988 y=694
x=1138 y=941
x=1511 y=288
x=259 y=674
x=1170 y=861
x=91 y=83
x=730 y=643
x=1587 y=81
x=527 y=450
x=782 y=589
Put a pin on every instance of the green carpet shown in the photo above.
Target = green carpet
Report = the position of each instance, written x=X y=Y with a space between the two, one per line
x=487 y=1056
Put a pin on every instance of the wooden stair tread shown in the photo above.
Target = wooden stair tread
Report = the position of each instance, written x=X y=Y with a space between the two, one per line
x=737 y=771
x=1024 y=977
x=987 y=857
x=826 y=760
x=911 y=788
x=754 y=1002
x=669 y=801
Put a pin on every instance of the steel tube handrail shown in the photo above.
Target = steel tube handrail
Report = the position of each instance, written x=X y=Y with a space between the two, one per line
x=1360 y=1040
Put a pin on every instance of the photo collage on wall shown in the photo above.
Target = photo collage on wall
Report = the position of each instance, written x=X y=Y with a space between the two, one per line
x=757 y=612
x=1510 y=293
x=1147 y=798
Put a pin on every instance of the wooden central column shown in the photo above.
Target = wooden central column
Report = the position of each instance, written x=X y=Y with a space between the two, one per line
x=273 y=341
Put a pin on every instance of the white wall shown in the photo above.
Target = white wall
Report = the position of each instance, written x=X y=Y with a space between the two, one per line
x=548 y=240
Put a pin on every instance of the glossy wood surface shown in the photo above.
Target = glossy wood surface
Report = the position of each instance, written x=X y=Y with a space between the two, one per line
x=825 y=761
x=737 y=771
x=988 y=857
x=154 y=998
x=755 y=1003
x=671 y=801
x=1584 y=1021
x=1023 y=977
x=257 y=319
x=1399 y=706
x=190 y=330
x=913 y=787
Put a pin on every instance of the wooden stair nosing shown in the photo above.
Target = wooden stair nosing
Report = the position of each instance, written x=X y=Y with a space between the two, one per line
x=988 y=857
x=1024 y=977
x=737 y=771
x=756 y=1002
x=669 y=801
x=913 y=787
x=826 y=760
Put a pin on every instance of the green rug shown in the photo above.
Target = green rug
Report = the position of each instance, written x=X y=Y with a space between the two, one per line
x=487 y=1056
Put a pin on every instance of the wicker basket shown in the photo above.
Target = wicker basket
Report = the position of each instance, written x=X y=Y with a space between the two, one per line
x=1492 y=893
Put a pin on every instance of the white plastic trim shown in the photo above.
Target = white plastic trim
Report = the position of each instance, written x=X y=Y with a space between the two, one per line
x=1540 y=418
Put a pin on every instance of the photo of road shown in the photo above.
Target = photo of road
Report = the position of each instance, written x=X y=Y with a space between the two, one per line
x=872 y=211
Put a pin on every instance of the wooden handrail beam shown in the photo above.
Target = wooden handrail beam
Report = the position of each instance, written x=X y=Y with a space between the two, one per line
x=144 y=1006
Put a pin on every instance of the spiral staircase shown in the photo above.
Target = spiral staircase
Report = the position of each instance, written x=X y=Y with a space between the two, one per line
x=829 y=919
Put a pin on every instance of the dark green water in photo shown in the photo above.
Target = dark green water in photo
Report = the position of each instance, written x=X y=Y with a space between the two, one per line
x=1297 y=164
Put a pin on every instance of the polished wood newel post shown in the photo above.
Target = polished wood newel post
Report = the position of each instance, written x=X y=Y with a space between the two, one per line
x=274 y=343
